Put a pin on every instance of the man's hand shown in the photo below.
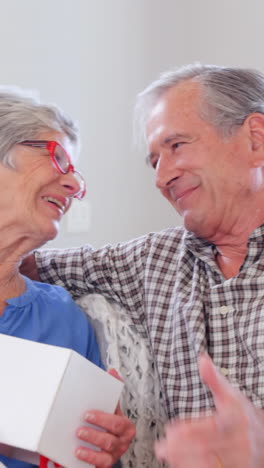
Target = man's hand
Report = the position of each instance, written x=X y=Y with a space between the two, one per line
x=233 y=437
x=113 y=441
x=28 y=267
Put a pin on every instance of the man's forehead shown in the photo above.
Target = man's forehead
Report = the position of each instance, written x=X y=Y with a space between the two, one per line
x=176 y=104
x=186 y=93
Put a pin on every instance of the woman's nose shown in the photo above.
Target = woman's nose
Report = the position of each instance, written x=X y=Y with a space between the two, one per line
x=71 y=183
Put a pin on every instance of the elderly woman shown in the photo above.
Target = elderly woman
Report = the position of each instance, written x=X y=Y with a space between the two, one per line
x=38 y=182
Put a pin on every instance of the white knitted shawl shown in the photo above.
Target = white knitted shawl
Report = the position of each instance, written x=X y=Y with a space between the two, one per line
x=125 y=350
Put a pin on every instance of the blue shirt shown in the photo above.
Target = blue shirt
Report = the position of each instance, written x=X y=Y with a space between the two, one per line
x=47 y=314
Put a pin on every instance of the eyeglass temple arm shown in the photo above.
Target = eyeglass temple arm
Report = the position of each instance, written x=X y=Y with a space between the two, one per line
x=37 y=144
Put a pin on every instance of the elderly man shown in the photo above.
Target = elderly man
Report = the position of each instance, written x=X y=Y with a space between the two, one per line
x=196 y=291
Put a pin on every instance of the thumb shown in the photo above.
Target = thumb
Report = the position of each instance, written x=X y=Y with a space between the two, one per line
x=222 y=390
x=115 y=374
x=160 y=449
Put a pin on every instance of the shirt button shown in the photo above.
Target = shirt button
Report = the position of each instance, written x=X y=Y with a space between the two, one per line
x=224 y=371
x=225 y=309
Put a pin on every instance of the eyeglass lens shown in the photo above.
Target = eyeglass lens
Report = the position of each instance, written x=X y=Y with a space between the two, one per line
x=80 y=181
x=61 y=159
x=63 y=162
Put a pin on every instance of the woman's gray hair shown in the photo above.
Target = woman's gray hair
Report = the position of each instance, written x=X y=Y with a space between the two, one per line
x=24 y=117
x=229 y=95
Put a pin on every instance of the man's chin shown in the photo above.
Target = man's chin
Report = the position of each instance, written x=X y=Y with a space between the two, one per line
x=200 y=227
x=193 y=223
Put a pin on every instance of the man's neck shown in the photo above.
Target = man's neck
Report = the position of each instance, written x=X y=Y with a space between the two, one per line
x=231 y=253
x=230 y=264
x=232 y=250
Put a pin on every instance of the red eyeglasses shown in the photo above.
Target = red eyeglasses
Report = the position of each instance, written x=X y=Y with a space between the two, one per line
x=61 y=161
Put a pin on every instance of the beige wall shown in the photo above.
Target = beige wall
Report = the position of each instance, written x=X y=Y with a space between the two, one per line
x=92 y=57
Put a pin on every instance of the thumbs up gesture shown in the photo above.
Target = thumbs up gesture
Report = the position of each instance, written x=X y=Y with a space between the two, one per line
x=231 y=437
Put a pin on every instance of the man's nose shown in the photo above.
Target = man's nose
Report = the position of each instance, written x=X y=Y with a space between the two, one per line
x=166 y=171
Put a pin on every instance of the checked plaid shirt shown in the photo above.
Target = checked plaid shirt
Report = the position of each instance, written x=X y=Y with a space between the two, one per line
x=180 y=302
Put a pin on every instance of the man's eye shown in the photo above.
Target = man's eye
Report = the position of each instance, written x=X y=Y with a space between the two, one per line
x=154 y=163
x=177 y=145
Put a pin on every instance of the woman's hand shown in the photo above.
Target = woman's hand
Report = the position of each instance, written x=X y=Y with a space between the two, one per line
x=113 y=441
x=112 y=436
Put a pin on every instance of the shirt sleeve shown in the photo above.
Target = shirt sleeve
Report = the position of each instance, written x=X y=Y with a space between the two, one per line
x=117 y=272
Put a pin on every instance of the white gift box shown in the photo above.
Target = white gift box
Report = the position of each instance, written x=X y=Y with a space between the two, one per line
x=45 y=392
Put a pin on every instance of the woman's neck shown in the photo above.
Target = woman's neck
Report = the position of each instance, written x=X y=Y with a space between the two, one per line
x=11 y=285
x=14 y=245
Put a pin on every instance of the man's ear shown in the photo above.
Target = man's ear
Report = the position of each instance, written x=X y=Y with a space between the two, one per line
x=255 y=126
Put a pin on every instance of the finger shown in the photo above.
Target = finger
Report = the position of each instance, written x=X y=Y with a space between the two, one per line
x=98 y=459
x=115 y=374
x=117 y=424
x=186 y=441
x=160 y=449
x=223 y=392
x=118 y=410
x=103 y=440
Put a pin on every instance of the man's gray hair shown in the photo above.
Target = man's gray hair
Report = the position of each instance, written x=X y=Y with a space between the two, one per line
x=24 y=117
x=229 y=95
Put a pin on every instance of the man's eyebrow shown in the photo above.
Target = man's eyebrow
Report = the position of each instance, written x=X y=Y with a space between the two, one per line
x=175 y=136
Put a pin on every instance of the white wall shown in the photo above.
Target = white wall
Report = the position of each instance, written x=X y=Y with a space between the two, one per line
x=92 y=57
